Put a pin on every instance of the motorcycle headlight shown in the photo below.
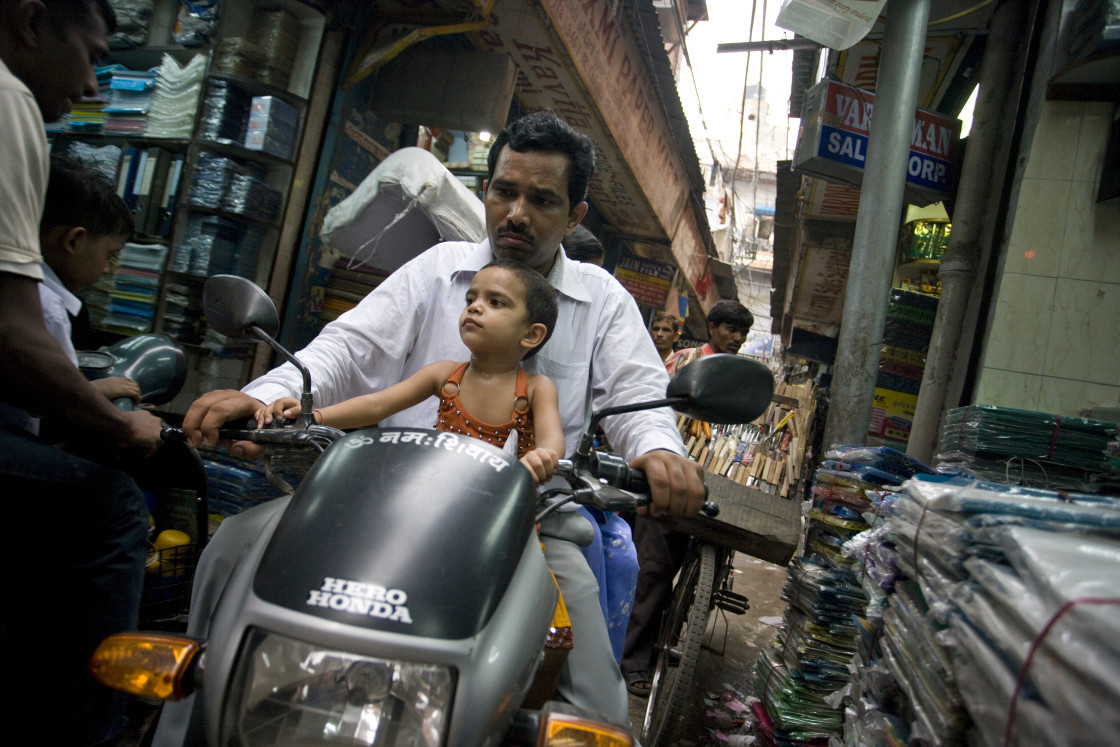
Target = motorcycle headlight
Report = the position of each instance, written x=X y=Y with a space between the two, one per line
x=285 y=691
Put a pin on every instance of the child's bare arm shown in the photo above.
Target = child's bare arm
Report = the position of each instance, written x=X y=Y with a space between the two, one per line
x=116 y=387
x=547 y=428
x=370 y=409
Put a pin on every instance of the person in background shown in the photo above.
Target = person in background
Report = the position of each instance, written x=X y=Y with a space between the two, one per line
x=79 y=538
x=665 y=331
x=661 y=550
x=599 y=355
x=84 y=226
x=583 y=246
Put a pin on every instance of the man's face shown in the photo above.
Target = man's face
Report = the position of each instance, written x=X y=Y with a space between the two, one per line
x=726 y=338
x=60 y=68
x=527 y=211
x=664 y=334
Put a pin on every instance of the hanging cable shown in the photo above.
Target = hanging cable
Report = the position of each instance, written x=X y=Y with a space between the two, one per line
x=742 y=117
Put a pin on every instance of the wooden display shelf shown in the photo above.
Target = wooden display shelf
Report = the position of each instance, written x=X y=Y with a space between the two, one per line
x=750 y=521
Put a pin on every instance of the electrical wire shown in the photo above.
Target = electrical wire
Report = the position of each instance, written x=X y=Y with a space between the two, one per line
x=732 y=223
x=962 y=14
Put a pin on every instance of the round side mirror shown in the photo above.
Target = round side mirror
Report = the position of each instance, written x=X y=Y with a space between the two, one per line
x=234 y=305
x=722 y=388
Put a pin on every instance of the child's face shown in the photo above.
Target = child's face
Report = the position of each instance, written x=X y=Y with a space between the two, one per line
x=91 y=258
x=495 y=317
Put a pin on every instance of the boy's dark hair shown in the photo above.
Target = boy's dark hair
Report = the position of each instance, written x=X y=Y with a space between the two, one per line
x=583 y=246
x=540 y=297
x=62 y=14
x=78 y=194
x=731 y=312
x=667 y=317
x=545 y=132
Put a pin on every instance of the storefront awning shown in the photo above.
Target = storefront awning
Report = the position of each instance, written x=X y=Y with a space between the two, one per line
x=592 y=64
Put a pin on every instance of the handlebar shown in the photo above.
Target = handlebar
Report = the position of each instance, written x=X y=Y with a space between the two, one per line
x=299 y=438
x=613 y=471
x=287 y=437
x=607 y=482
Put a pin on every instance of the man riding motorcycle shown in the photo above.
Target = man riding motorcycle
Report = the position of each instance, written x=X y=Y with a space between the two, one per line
x=599 y=356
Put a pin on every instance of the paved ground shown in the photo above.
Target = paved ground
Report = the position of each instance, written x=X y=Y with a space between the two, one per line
x=731 y=644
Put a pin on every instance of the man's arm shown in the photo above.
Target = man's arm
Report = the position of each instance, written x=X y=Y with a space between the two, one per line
x=36 y=374
x=364 y=350
x=627 y=369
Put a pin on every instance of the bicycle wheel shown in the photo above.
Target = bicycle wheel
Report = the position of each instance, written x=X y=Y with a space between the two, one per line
x=681 y=632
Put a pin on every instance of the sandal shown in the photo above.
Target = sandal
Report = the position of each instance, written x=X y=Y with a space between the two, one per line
x=637 y=683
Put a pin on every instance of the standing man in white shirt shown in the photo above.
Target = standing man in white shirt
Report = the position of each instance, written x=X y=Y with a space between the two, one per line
x=599 y=356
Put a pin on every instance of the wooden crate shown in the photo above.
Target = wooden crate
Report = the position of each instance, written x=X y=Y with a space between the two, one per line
x=750 y=521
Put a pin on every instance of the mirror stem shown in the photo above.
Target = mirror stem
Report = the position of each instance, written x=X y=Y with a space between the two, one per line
x=589 y=436
x=306 y=416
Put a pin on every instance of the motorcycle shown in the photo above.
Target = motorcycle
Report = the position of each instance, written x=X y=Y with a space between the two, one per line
x=155 y=362
x=351 y=619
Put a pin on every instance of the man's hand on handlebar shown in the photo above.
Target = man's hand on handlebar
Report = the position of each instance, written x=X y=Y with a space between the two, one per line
x=676 y=485
x=213 y=410
x=144 y=431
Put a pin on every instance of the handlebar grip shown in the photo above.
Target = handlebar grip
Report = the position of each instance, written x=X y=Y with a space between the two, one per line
x=278 y=437
x=615 y=471
x=167 y=433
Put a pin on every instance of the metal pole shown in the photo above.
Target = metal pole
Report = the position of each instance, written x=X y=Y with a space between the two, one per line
x=876 y=233
x=987 y=142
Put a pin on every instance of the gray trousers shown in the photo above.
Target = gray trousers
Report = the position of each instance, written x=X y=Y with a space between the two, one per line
x=590 y=678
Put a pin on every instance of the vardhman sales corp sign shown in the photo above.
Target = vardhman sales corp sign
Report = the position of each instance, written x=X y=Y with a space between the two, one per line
x=832 y=143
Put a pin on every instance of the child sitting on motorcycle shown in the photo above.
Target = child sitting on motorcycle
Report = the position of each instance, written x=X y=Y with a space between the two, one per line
x=510 y=313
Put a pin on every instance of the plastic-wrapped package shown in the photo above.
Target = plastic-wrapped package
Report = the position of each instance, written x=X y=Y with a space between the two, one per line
x=197 y=22
x=937 y=709
x=1033 y=448
x=175 y=98
x=132 y=23
x=1074 y=670
x=875 y=557
x=225 y=113
x=276 y=35
x=865 y=473
x=792 y=705
x=237 y=55
x=405 y=205
x=986 y=686
x=880 y=457
x=1054 y=509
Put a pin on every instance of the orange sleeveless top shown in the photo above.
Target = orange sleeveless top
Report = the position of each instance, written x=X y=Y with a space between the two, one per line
x=454 y=418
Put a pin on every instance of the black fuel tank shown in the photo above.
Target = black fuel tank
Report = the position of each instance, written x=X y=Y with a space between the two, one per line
x=411 y=531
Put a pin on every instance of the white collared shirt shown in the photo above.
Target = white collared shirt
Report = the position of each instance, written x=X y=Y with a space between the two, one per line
x=59 y=305
x=600 y=354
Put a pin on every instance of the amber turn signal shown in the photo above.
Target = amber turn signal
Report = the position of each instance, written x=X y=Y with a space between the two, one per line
x=150 y=665
x=561 y=729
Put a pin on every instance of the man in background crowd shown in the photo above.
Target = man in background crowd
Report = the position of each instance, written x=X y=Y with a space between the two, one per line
x=661 y=550
x=665 y=331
